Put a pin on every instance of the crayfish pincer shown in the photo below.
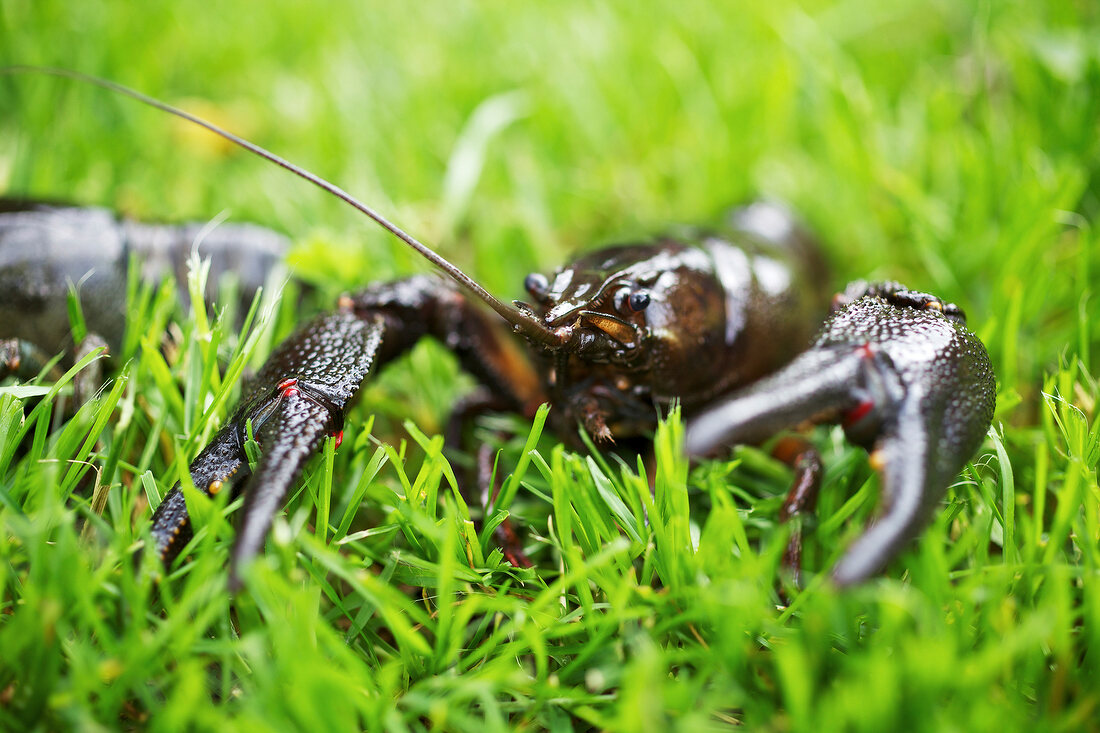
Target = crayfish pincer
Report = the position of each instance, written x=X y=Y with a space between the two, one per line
x=908 y=382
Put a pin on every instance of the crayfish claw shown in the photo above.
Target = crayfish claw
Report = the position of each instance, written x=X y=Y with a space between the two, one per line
x=289 y=438
x=315 y=375
x=908 y=382
x=814 y=387
x=298 y=398
x=910 y=496
x=216 y=464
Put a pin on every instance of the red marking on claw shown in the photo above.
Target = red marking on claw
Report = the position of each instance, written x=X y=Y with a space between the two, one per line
x=858 y=412
x=339 y=438
x=288 y=387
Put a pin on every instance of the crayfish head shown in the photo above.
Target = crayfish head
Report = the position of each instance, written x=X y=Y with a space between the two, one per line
x=598 y=305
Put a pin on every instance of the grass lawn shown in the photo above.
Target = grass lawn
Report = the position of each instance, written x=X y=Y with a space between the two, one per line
x=952 y=145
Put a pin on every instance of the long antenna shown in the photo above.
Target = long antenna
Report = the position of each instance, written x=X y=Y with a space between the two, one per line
x=525 y=323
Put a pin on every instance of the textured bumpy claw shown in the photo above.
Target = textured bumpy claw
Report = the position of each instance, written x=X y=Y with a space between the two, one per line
x=302 y=393
x=299 y=398
x=906 y=379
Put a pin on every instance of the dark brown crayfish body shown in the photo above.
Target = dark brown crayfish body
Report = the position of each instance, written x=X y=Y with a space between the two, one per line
x=616 y=336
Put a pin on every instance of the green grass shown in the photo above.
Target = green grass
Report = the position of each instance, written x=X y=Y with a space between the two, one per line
x=951 y=145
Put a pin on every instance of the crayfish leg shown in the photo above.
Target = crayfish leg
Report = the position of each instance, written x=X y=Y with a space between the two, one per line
x=801 y=502
x=424 y=306
x=505 y=534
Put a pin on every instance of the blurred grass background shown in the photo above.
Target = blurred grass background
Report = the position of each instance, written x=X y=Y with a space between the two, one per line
x=951 y=145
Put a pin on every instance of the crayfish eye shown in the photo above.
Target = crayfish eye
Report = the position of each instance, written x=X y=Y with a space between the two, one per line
x=628 y=302
x=637 y=301
x=537 y=285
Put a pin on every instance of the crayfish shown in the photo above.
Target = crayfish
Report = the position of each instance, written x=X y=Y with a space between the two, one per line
x=719 y=321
